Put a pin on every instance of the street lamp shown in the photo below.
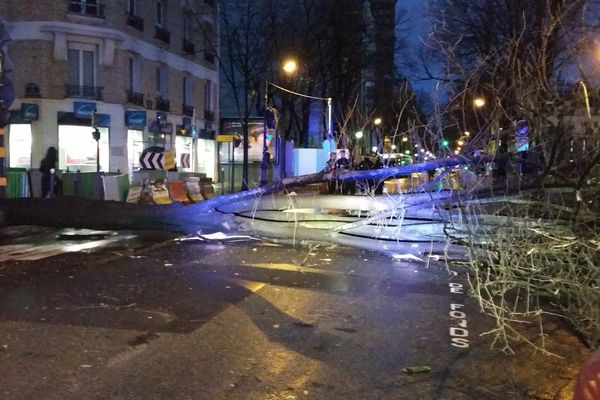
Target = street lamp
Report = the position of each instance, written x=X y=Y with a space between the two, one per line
x=290 y=66
x=358 y=134
x=479 y=102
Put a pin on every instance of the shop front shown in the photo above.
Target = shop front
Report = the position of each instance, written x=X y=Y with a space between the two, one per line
x=19 y=146
x=135 y=120
x=184 y=145
x=78 y=150
x=20 y=136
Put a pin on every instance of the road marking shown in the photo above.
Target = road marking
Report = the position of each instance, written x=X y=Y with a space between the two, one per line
x=459 y=334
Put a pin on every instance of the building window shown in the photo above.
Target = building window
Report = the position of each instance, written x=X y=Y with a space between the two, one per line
x=82 y=69
x=188 y=109
x=185 y=26
x=187 y=90
x=131 y=7
x=133 y=88
x=161 y=8
x=87 y=7
x=134 y=74
x=161 y=82
x=162 y=102
x=187 y=45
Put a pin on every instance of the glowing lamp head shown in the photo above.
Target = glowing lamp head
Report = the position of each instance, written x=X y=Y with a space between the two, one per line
x=479 y=102
x=290 y=66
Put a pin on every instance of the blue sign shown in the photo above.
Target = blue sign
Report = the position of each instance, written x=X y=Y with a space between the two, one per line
x=103 y=120
x=84 y=110
x=135 y=119
x=30 y=112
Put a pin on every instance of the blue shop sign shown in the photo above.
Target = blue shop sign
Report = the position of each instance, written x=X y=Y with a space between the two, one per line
x=83 y=110
x=30 y=112
x=103 y=120
x=135 y=119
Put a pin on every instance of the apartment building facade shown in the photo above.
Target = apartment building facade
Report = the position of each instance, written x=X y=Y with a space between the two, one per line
x=144 y=72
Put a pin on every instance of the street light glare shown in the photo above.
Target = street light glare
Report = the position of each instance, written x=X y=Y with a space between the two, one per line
x=461 y=142
x=467 y=133
x=377 y=121
x=393 y=147
x=358 y=134
x=290 y=66
x=479 y=102
x=405 y=139
x=374 y=149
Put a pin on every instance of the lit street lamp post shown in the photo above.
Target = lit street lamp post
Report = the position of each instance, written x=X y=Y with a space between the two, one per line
x=289 y=67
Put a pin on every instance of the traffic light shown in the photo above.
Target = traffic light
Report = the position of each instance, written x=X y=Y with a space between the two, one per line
x=445 y=142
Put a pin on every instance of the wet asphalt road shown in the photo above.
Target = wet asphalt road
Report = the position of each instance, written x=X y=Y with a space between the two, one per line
x=157 y=317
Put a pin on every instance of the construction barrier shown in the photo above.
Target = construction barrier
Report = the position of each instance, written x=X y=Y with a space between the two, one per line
x=116 y=187
x=159 y=193
x=192 y=187
x=177 y=191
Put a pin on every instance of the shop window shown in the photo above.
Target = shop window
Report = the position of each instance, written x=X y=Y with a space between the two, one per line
x=77 y=149
x=19 y=146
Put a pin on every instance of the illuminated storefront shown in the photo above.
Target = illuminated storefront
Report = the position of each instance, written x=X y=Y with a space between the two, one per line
x=77 y=148
x=135 y=120
x=184 y=146
x=19 y=146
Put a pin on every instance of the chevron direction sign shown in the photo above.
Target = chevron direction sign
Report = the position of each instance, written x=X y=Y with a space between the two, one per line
x=150 y=160
x=185 y=160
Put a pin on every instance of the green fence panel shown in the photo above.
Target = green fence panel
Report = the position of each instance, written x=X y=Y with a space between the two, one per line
x=123 y=186
x=68 y=180
x=17 y=184
x=87 y=183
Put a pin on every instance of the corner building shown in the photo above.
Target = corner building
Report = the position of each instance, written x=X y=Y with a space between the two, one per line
x=146 y=68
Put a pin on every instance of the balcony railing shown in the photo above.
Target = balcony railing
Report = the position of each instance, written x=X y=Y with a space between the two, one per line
x=86 y=8
x=188 y=47
x=135 y=22
x=135 y=98
x=83 y=92
x=162 y=104
x=209 y=56
x=209 y=115
x=162 y=34
x=188 y=110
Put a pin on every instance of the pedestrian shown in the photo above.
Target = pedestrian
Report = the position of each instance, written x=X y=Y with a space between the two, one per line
x=343 y=163
x=51 y=183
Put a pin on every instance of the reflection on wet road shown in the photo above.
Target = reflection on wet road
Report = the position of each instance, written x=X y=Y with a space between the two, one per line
x=162 y=317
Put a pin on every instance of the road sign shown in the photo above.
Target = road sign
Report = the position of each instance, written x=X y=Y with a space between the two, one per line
x=151 y=160
x=185 y=160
